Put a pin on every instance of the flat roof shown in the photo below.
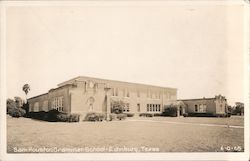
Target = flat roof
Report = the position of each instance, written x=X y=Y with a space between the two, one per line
x=38 y=96
x=195 y=99
x=139 y=84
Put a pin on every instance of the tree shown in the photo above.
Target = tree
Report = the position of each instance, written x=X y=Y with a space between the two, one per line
x=13 y=108
x=239 y=108
x=26 y=89
x=117 y=106
x=18 y=101
x=170 y=110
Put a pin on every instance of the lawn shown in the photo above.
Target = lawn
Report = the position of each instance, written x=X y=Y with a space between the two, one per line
x=129 y=135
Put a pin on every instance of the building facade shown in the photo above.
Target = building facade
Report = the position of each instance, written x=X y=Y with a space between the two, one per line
x=85 y=94
x=216 y=106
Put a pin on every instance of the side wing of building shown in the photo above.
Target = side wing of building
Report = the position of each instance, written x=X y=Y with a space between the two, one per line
x=213 y=106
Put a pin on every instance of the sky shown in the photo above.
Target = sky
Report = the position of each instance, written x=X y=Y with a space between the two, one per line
x=197 y=49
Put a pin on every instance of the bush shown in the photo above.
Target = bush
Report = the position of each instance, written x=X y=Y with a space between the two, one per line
x=41 y=115
x=185 y=114
x=129 y=114
x=74 y=118
x=68 y=117
x=228 y=114
x=201 y=115
x=157 y=114
x=14 y=109
x=95 y=116
x=117 y=106
x=16 y=112
x=121 y=116
x=54 y=116
x=112 y=116
x=146 y=115
x=170 y=111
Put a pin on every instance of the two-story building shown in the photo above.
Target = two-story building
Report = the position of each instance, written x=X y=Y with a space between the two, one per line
x=85 y=94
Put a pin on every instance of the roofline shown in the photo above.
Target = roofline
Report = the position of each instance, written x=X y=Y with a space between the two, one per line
x=48 y=91
x=37 y=96
x=116 y=81
x=195 y=99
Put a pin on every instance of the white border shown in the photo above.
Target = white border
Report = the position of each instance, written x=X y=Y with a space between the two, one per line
x=122 y=156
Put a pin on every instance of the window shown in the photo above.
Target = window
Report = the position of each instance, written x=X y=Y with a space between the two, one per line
x=204 y=107
x=123 y=92
x=116 y=92
x=126 y=108
x=138 y=93
x=201 y=108
x=138 y=107
x=127 y=93
x=159 y=107
x=196 y=108
x=58 y=103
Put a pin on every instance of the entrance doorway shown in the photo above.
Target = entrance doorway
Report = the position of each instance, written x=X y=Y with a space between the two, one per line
x=181 y=111
x=138 y=107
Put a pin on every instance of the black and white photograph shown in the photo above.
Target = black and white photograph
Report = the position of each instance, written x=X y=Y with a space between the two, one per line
x=125 y=80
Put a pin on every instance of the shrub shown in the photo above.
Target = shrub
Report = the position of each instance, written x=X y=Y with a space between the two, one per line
x=185 y=114
x=74 y=118
x=13 y=109
x=228 y=114
x=61 y=117
x=112 y=116
x=117 y=106
x=157 y=114
x=146 y=115
x=41 y=115
x=129 y=114
x=121 y=116
x=16 y=112
x=52 y=115
x=170 y=111
x=201 y=115
x=94 y=116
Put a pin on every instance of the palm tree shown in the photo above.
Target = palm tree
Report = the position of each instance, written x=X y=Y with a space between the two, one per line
x=26 y=89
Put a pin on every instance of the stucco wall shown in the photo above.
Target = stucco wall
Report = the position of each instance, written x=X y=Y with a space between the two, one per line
x=38 y=103
x=44 y=102
x=80 y=94
x=211 y=108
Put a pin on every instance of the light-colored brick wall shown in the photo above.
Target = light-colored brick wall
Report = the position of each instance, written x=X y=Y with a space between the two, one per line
x=211 y=108
x=214 y=105
x=78 y=94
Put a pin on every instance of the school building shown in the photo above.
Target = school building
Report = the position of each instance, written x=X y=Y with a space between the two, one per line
x=215 y=106
x=86 y=94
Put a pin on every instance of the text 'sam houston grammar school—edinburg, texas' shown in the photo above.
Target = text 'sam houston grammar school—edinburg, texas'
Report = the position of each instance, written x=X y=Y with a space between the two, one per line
x=86 y=94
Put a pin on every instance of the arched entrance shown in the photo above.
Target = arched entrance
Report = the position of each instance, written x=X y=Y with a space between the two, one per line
x=181 y=111
x=90 y=102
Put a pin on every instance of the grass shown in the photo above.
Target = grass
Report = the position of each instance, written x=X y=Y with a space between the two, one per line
x=166 y=137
